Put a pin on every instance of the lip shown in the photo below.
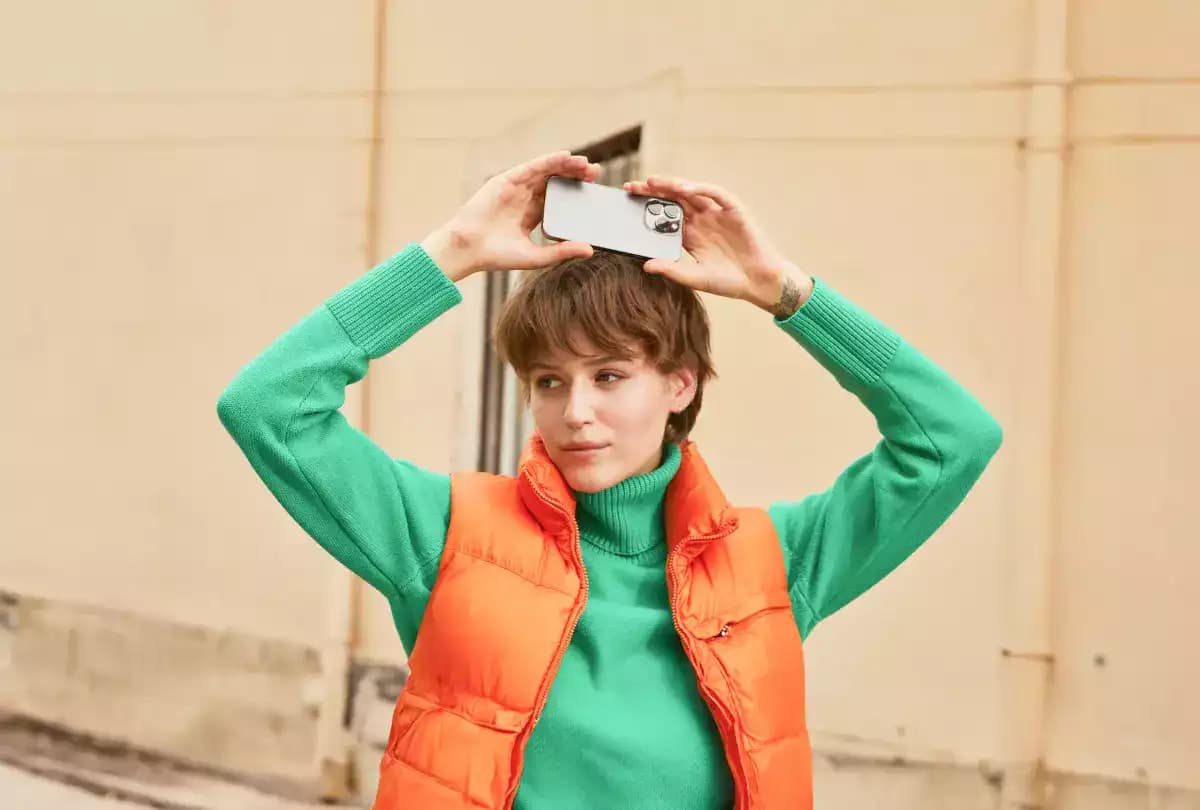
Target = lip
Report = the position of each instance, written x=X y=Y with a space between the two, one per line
x=584 y=447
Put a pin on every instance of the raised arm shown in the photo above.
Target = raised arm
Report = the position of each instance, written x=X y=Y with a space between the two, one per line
x=384 y=518
x=936 y=441
x=936 y=438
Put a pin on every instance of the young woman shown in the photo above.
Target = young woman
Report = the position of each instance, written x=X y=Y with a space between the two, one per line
x=603 y=630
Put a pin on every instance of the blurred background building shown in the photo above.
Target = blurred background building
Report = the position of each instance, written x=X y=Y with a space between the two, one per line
x=1011 y=185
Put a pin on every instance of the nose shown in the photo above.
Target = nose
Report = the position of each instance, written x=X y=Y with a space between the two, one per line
x=578 y=410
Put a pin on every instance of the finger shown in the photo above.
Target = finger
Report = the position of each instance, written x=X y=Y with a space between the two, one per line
x=691 y=206
x=701 y=202
x=720 y=196
x=542 y=163
x=681 y=192
x=692 y=203
x=661 y=183
x=594 y=170
x=579 y=167
x=562 y=162
x=643 y=188
x=697 y=193
x=576 y=166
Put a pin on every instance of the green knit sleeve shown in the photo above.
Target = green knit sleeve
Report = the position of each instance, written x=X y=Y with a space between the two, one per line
x=936 y=440
x=384 y=518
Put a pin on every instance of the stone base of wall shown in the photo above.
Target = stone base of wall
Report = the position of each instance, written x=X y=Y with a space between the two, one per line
x=895 y=784
x=220 y=699
x=245 y=709
x=373 y=692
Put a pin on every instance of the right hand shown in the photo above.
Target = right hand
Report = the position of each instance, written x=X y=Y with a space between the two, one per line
x=492 y=229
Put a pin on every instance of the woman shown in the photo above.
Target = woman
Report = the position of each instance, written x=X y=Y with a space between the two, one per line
x=603 y=629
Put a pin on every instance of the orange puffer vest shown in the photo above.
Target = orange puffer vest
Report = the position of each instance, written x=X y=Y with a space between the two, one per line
x=508 y=594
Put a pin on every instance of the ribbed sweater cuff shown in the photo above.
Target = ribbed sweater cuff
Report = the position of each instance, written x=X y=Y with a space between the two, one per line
x=393 y=301
x=842 y=331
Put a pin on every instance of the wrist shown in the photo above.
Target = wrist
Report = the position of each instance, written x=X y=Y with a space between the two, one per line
x=452 y=250
x=788 y=290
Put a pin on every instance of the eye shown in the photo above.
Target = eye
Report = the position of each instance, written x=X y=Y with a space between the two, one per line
x=546 y=383
x=609 y=377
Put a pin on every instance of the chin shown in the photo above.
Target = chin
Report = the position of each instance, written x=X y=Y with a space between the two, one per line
x=588 y=477
x=586 y=480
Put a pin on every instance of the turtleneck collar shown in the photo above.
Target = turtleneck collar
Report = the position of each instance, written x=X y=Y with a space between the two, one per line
x=627 y=518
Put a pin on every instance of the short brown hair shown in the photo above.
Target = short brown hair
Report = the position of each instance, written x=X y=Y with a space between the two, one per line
x=618 y=307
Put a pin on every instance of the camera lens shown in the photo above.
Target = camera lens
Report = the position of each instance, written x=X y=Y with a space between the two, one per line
x=654 y=208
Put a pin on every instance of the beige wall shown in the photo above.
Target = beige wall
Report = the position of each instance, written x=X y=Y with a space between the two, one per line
x=1011 y=185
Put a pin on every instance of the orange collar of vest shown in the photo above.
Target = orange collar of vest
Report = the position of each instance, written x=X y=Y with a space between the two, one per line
x=696 y=510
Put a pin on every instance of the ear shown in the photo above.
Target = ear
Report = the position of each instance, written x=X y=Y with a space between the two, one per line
x=682 y=383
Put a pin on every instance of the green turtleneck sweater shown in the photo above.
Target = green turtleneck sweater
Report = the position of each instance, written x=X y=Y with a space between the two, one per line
x=625 y=709
x=624 y=724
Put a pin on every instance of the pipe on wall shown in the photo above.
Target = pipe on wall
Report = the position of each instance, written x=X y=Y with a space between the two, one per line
x=1027 y=652
x=343 y=623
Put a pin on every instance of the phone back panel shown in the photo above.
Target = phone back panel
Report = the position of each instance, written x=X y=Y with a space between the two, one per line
x=612 y=218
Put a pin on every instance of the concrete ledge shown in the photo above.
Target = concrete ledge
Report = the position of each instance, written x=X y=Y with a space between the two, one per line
x=209 y=697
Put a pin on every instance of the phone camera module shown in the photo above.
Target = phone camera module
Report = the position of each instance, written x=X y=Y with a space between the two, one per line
x=662 y=216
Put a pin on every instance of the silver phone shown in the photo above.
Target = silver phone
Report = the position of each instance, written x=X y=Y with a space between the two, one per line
x=612 y=218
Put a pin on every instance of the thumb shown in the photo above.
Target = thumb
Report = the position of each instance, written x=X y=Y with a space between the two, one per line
x=663 y=267
x=676 y=271
x=560 y=252
x=690 y=274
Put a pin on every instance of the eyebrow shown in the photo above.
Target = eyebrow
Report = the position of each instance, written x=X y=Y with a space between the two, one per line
x=592 y=361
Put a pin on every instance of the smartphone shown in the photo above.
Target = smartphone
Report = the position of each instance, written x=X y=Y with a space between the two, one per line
x=612 y=218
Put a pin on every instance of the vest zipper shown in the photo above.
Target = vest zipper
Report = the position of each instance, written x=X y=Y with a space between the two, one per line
x=725 y=713
x=540 y=703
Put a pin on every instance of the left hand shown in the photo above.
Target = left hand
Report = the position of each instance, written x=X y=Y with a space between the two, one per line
x=732 y=256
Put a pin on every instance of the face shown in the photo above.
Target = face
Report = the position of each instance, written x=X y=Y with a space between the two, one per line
x=602 y=418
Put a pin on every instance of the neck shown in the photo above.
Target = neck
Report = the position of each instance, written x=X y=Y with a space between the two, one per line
x=627 y=518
